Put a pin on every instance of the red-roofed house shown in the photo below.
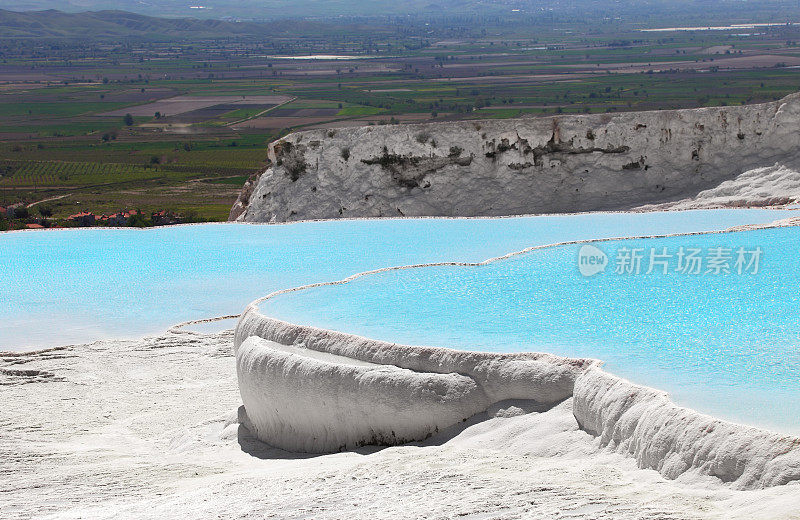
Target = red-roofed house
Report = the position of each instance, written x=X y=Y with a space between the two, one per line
x=84 y=218
x=164 y=218
x=121 y=218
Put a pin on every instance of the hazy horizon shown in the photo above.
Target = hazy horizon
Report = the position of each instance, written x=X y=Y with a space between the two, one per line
x=758 y=10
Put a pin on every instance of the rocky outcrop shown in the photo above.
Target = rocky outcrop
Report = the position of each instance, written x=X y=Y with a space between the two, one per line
x=521 y=166
x=243 y=200
x=644 y=423
x=314 y=390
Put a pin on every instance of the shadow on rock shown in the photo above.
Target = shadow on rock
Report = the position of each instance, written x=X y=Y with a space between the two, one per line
x=261 y=450
x=503 y=409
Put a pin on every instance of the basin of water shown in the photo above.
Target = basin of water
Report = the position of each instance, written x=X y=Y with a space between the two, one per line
x=721 y=334
x=78 y=285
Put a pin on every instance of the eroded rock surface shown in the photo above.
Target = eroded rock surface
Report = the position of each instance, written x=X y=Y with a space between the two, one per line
x=523 y=166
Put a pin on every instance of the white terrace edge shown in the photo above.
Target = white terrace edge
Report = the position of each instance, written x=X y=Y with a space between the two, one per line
x=304 y=404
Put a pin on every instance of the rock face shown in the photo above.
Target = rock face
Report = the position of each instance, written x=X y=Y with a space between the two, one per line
x=299 y=402
x=521 y=166
x=314 y=390
x=645 y=424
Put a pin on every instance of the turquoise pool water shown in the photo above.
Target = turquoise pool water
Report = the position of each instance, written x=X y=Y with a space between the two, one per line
x=68 y=286
x=725 y=344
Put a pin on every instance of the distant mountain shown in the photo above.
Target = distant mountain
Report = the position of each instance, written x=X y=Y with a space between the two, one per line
x=244 y=9
x=121 y=24
x=522 y=11
x=326 y=9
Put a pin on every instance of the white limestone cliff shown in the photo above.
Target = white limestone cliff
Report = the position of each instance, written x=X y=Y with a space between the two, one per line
x=535 y=165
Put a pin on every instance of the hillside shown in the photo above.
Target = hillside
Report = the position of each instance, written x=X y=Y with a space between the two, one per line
x=122 y=24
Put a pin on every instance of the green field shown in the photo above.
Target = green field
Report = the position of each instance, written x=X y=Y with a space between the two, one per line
x=359 y=111
x=57 y=142
x=198 y=177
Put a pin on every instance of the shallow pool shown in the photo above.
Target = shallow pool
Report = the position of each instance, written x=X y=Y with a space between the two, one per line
x=68 y=286
x=721 y=334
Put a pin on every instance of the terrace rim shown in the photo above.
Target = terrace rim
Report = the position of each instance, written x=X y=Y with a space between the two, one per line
x=631 y=419
x=792 y=206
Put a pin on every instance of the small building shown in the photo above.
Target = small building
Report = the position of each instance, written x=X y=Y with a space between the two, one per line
x=116 y=220
x=121 y=219
x=164 y=218
x=84 y=218
x=34 y=226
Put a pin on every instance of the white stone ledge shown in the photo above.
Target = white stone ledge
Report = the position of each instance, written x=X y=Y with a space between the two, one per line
x=315 y=390
x=644 y=423
x=302 y=403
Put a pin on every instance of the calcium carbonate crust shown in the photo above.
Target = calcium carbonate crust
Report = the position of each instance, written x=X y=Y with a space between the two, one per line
x=557 y=164
x=644 y=423
x=303 y=404
x=316 y=390
x=300 y=403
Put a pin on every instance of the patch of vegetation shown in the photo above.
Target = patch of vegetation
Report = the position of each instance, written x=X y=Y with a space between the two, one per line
x=635 y=165
x=238 y=180
x=388 y=160
x=295 y=168
x=359 y=111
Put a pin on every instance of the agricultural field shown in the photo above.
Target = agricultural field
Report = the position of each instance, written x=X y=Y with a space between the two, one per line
x=180 y=125
x=200 y=179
